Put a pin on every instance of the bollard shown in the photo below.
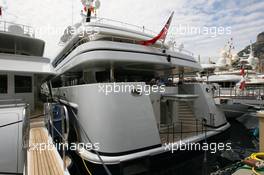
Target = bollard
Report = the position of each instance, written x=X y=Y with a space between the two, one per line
x=260 y=115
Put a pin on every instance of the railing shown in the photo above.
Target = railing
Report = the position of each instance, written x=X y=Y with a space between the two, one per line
x=86 y=39
x=112 y=38
x=5 y=103
x=122 y=24
x=184 y=128
x=51 y=127
x=25 y=138
x=80 y=42
x=181 y=50
x=248 y=93
x=25 y=134
x=27 y=30
x=136 y=28
x=48 y=120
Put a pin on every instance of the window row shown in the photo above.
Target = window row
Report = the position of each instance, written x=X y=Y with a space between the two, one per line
x=23 y=84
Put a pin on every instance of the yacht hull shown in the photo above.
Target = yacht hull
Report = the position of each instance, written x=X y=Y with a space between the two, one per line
x=165 y=163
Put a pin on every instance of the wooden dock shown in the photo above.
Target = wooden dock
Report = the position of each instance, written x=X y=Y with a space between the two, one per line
x=42 y=156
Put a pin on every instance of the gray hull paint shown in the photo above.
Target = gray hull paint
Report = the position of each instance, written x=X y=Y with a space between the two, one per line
x=119 y=122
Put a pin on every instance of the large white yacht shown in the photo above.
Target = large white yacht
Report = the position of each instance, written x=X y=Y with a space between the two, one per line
x=22 y=70
x=101 y=70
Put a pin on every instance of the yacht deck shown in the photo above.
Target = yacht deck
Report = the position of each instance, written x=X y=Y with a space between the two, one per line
x=42 y=156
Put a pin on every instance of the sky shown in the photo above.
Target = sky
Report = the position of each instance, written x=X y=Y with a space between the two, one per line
x=202 y=26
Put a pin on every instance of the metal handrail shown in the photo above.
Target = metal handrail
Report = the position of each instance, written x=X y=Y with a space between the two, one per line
x=178 y=49
x=15 y=103
x=170 y=129
x=122 y=24
x=26 y=133
x=235 y=93
x=87 y=39
x=113 y=38
x=138 y=28
x=28 y=30
x=64 y=135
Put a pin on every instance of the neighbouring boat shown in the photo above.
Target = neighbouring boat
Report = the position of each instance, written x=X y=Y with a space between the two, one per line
x=22 y=71
x=226 y=78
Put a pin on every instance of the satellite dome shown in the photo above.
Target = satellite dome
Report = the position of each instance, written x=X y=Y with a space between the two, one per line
x=235 y=57
x=223 y=53
x=221 y=62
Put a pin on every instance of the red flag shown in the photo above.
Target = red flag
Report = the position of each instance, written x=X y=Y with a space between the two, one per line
x=161 y=36
x=242 y=71
x=91 y=8
x=242 y=85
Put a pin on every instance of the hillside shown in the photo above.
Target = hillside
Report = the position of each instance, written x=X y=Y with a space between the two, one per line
x=258 y=47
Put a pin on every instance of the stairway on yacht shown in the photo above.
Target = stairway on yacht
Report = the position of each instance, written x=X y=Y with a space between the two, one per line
x=188 y=119
x=185 y=112
x=187 y=125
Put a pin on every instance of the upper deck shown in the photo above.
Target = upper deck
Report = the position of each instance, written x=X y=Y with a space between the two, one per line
x=20 y=29
x=103 y=35
x=19 y=39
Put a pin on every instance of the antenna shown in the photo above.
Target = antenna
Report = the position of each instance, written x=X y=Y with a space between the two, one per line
x=90 y=6
x=3 y=7
x=72 y=11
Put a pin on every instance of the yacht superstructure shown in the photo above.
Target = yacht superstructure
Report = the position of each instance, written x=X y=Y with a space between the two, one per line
x=106 y=79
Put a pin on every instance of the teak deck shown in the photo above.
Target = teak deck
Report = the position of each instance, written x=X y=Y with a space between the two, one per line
x=42 y=156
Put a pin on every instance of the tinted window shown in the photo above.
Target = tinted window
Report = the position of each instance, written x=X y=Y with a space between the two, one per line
x=3 y=84
x=23 y=84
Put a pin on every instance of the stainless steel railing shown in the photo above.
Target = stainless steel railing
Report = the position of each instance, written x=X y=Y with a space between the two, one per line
x=136 y=28
x=64 y=125
x=248 y=93
x=122 y=24
x=181 y=129
x=87 y=39
x=27 y=30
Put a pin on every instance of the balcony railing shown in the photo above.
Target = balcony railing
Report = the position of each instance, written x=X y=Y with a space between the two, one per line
x=26 y=30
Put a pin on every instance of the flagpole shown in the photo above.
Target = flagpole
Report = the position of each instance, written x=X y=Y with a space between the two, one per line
x=72 y=11
x=88 y=17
